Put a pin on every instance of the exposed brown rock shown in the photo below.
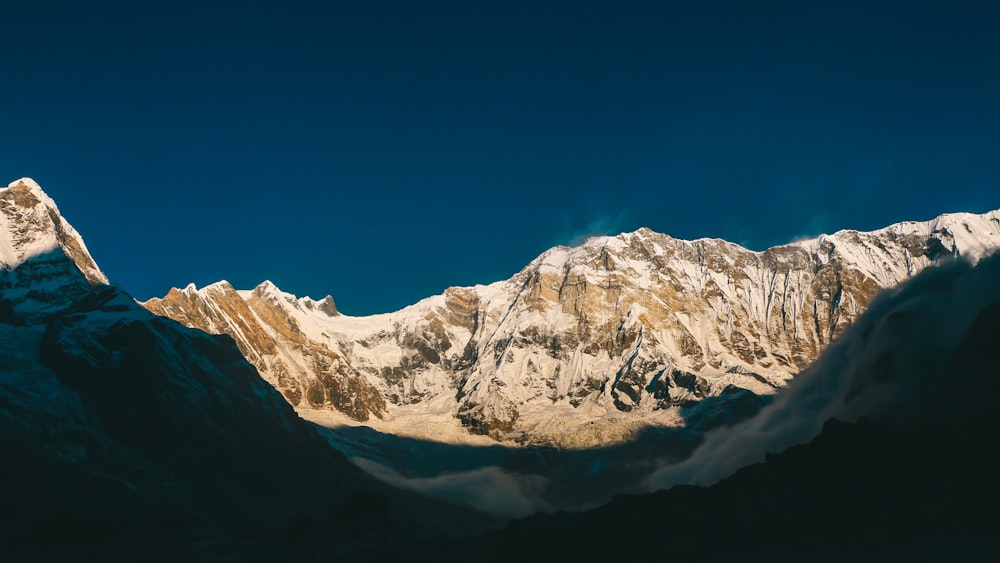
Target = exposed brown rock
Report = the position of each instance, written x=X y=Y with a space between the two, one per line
x=306 y=372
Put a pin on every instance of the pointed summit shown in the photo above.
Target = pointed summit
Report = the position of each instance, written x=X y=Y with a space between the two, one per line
x=328 y=306
x=28 y=184
x=44 y=263
x=324 y=305
x=31 y=225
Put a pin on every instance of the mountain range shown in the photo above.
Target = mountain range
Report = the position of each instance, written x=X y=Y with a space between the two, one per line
x=584 y=346
x=831 y=399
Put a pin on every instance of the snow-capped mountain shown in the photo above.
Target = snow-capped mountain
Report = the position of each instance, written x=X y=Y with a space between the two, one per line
x=585 y=344
x=866 y=455
x=122 y=428
x=44 y=264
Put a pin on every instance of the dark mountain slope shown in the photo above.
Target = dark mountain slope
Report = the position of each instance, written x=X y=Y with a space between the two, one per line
x=127 y=436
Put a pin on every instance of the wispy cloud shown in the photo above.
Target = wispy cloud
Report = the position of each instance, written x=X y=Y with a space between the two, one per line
x=489 y=489
x=818 y=224
x=601 y=225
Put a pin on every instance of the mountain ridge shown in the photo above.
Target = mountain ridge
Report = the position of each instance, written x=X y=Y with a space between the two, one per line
x=585 y=344
x=125 y=427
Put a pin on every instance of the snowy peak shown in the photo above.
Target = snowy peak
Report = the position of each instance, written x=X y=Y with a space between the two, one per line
x=324 y=305
x=966 y=234
x=44 y=263
x=31 y=225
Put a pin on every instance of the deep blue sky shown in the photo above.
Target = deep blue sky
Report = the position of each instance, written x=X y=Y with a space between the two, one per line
x=381 y=151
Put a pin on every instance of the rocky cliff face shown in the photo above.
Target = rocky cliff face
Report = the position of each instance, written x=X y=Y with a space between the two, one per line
x=586 y=344
x=263 y=322
x=868 y=450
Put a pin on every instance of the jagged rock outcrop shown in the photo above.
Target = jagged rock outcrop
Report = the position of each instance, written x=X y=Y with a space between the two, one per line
x=584 y=343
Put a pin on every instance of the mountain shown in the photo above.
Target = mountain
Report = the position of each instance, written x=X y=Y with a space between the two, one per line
x=44 y=264
x=868 y=455
x=126 y=435
x=585 y=345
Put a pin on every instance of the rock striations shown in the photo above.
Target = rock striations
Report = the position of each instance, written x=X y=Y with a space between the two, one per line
x=585 y=345
x=267 y=326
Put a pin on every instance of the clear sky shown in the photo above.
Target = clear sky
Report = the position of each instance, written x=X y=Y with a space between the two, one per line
x=383 y=151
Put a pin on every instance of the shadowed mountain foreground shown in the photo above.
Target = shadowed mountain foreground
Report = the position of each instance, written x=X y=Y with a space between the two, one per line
x=126 y=436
